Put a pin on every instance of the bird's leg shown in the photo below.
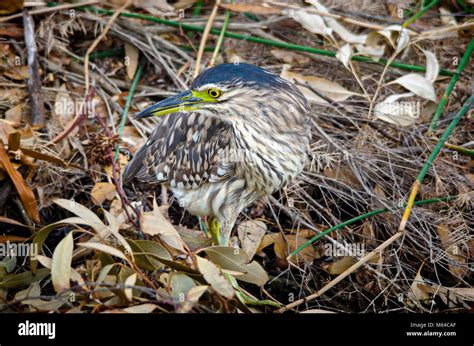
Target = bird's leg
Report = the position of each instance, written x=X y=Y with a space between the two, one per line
x=215 y=229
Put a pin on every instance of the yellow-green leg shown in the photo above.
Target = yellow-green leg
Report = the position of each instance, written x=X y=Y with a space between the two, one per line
x=244 y=297
x=215 y=229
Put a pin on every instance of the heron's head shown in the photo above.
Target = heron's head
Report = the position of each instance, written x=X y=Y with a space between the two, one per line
x=232 y=90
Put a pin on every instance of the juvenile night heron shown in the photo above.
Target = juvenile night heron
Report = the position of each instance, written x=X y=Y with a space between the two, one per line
x=238 y=133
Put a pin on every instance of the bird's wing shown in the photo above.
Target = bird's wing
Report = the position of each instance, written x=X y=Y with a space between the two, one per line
x=185 y=150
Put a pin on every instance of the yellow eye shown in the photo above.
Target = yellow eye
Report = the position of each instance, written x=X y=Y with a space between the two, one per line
x=214 y=93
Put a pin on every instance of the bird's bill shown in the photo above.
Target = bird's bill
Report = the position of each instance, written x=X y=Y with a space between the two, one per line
x=185 y=101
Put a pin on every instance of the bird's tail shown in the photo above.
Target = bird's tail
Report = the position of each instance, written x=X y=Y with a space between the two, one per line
x=136 y=166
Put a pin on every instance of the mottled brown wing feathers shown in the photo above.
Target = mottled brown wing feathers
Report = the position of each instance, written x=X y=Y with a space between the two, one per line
x=184 y=151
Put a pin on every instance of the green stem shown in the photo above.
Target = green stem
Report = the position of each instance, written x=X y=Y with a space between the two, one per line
x=197 y=8
x=429 y=162
x=444 y=137
x=221 y=36
x=452 y=83
x=362 y=217
x=136 y=78
x=460 y=149
x=253 y=39
x=421 y=12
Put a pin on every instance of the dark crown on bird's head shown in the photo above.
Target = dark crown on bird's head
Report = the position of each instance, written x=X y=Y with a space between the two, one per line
x=246 y=74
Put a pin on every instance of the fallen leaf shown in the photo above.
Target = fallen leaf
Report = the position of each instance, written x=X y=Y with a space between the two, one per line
x=345 y=34
x=415 y=292
x=331 y=90
x=339 y=266
x=192 y=297
x=447 y=17
x=14 y=114
x=104 y=248
x=140 y=309
x=44 y=157
x=391 y=110
x=18 y=73
x=396 y=35
x=284 y=247
x=374 y=51
x=417 y=84
x=27 y=196
x=154 y=7
x=228 y=257
x=312 y=22
x=9 y=263
x=214 y=277
x=33 y=290
x=344 y=55
x=102 y=192
x=61 y=264
x=250 y=234
x=289 y=57
x=11 y=6
x=180 y=285
x=254 y=274
x=131 y=58
x=23 y=279
x=4 y=219
x=194 y=239
x=267 y=240
x=86 y=216
x=154 y=223
x=432 y=66
x=130 y=281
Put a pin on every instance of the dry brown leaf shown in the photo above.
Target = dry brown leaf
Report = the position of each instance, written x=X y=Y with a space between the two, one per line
x=131 y=59
x=312 y=22
x=214 y=277
x=154 y=7
x=395 y=111
x=154 y=223
x=13 y=115
x=327 y=88
x=250 y=234
x=267 y=240
x=344 y=33
x=342 y=173
x=283 y=249
x=289 y=57
x=104 y=248
x=102 y=192
x=417 y=84
x=11 y=6
x=339 y=266
x=141 y=309
x=130 y=281
x=61 y=264
x=18 y=73
x=415 y=291
x=26 y=194
x=192 y=297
